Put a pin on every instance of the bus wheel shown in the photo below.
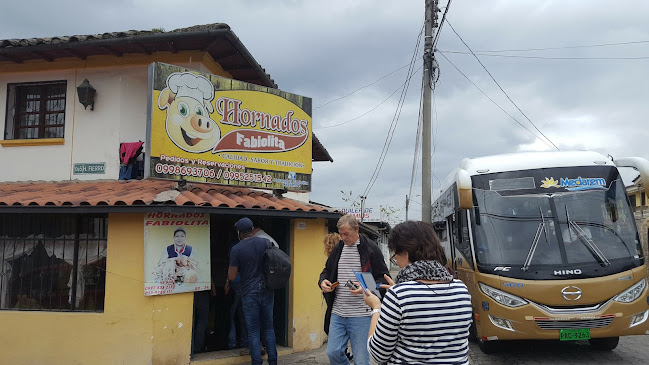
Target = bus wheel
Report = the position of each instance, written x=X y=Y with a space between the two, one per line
x=488 y=347
x=604 y=344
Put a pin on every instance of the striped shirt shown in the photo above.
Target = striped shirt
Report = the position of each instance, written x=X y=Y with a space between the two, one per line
x=423 y=324
x=347 y=304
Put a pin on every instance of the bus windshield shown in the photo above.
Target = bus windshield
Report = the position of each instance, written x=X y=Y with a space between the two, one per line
x=560 y=228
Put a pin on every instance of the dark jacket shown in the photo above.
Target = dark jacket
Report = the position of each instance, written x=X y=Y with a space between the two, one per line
x=371 y=261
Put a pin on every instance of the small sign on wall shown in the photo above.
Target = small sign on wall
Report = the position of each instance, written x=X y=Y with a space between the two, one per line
x=89 y=168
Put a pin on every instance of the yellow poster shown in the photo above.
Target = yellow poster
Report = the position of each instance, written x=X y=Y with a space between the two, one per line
x=207 y=128
x=176 y=253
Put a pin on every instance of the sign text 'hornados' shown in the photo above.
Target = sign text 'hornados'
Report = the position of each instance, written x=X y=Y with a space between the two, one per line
x=207 y=128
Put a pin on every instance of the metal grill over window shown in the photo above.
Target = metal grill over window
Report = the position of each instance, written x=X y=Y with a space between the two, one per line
x=53 y=262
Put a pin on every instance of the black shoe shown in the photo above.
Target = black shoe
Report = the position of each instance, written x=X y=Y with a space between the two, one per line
x=350 y=357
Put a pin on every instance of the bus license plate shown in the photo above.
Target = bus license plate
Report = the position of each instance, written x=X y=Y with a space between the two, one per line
x=574 y=335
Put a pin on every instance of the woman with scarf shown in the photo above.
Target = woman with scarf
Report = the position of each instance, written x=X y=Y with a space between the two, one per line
x=425 y=316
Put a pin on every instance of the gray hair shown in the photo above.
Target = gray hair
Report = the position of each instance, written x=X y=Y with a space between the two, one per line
x=348 y=219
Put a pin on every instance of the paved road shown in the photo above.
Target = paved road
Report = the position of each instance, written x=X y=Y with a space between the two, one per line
x=632 y=350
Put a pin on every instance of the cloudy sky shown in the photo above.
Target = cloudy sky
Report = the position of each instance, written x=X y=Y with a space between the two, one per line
x=577 y=69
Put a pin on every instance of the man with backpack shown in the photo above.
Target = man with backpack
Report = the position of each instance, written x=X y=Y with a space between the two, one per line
x=246 y=259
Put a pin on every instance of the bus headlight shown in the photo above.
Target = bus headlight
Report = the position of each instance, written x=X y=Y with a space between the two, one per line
x=632 y=293
x=502 y=297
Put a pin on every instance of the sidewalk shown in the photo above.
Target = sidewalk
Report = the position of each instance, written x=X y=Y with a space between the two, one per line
x=313 y=357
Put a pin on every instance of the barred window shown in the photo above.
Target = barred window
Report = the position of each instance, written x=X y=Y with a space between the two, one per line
x=46 y=260
x=35 y=110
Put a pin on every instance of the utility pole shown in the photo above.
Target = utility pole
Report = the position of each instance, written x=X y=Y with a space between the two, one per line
x=426 y=130
x=407 y=202
x=362 y=207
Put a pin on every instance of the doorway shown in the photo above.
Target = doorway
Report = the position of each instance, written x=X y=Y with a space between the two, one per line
x=223 y=236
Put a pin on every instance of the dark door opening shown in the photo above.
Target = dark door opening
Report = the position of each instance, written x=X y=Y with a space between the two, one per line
x=223 y=236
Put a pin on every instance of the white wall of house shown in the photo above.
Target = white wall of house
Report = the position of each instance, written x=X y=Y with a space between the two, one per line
x=91 y=136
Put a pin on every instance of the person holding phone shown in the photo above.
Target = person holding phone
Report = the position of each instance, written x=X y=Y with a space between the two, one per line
x=348 y=318
x=425 y=316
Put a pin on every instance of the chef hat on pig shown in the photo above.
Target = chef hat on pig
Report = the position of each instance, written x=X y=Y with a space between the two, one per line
x=187 y=84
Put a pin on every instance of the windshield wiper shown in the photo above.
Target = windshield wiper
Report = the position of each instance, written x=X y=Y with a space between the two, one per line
x=541 y=228
x=590 y=245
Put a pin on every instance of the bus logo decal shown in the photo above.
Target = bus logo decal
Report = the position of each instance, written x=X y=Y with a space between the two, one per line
x=502 y=268
x=514 y=285
x=567 y=272
x=571 y=293
x=549 y=183
x=579 y=183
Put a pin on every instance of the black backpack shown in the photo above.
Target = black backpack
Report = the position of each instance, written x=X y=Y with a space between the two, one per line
x=276 y=266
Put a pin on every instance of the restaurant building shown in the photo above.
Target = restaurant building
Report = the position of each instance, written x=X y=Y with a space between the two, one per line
x=111 y=144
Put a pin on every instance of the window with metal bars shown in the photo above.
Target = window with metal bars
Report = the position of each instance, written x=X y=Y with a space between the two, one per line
x=53 y=262
x=35 y=110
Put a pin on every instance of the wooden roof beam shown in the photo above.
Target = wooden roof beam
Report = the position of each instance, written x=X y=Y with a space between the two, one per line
x=11 y=58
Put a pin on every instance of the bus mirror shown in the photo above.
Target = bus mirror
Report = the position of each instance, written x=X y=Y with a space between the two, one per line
x=464 y=191
x=639 y=164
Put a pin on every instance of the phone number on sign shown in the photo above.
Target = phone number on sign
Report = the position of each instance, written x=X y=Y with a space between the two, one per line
x=161 y=168
x=247 y=176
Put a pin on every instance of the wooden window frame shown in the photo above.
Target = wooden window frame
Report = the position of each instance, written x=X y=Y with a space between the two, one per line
x=16 y=108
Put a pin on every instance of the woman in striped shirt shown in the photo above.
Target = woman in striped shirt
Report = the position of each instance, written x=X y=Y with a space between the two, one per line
x=425 y=317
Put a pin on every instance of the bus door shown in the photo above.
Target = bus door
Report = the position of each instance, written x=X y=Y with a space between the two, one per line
x=461 y=243
x=452 y=237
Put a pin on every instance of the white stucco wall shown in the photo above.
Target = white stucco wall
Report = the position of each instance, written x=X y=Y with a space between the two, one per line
x=91 y=136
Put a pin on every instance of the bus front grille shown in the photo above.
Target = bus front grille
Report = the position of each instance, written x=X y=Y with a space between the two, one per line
x=586 y=323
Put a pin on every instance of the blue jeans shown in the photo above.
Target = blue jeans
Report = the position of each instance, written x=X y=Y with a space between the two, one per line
x=236 y=314
x=258 y=312
x=353 y=329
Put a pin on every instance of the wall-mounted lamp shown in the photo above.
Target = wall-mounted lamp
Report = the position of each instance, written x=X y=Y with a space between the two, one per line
x=86 y=94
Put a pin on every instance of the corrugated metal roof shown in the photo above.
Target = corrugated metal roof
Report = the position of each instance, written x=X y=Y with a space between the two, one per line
x=145 y=193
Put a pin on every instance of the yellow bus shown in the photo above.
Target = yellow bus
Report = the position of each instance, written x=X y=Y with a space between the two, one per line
x=547 y=244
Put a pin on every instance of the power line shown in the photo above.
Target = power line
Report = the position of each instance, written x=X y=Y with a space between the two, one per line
x=490 y=99
x=564 y=47
x=369 y=111
x=441 y=24
x=550 y=58
x=395 y=120
x=415 y=160
x=500 y=87
x=363 y=87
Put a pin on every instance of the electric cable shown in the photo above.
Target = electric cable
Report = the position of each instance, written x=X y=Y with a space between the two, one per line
x=415 y=160
x=565 y=47
x=490 y=99
x=395 y=120
x=500 y=87
x=441 y=24
x=363 y=87
x=550 y=58
x=369 y=111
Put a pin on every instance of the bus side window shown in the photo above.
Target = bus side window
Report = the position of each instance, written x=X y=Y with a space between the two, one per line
x=464 y=242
